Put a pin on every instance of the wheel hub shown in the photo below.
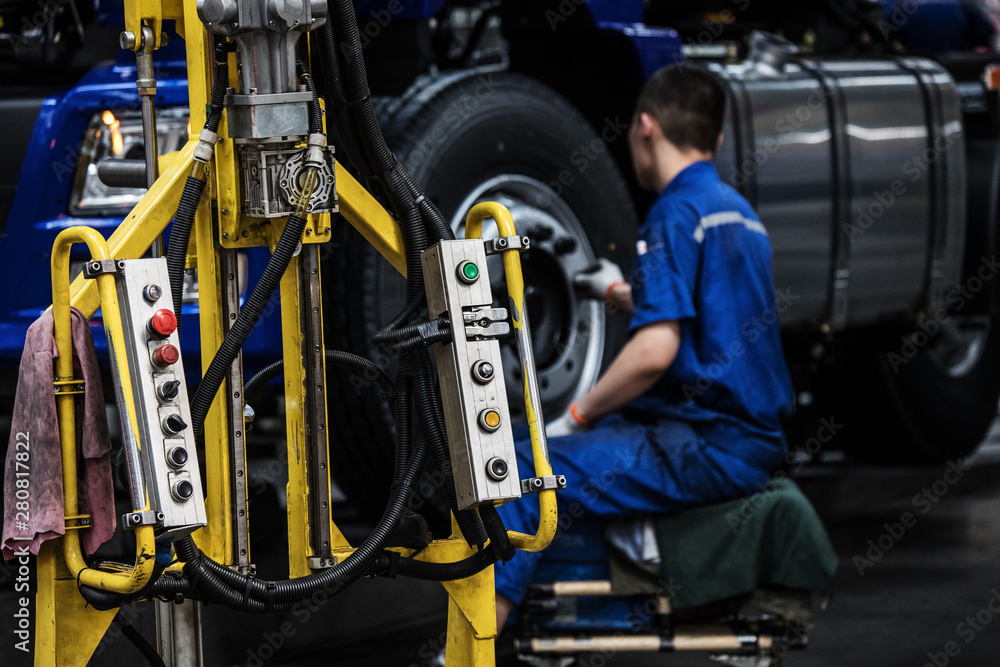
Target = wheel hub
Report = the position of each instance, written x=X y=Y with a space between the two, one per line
x=567 y=333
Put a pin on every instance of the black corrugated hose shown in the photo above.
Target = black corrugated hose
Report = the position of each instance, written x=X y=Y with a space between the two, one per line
x=180 y=235
x=252 y=595
x=140 y=643
x=499 y=549
x=315 y=115
x=352 y=93
x=245 y=321
x=429 y=412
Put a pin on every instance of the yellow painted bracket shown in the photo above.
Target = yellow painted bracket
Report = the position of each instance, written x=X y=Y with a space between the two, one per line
x=67 y=629
x=146 y=222
x=369 y=217
x=549 y=515
x=152 y=13
x=134 y=579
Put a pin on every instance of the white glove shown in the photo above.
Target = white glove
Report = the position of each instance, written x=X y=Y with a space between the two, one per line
x=595 y=281
x=567 y=424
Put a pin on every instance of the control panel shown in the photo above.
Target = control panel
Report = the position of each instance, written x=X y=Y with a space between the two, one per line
x=169 y=464
x=470 y=372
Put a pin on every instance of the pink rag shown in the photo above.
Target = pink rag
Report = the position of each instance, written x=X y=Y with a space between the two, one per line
x=33 y=488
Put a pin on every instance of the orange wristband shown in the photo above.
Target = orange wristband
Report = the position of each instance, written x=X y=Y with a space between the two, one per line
x=611 y=288
x=577 y=418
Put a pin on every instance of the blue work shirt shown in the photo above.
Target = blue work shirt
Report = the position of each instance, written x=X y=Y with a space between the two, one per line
x=704 y=259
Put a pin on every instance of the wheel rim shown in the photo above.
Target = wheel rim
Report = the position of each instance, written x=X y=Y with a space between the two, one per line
x=567 y=333
x=958 y=347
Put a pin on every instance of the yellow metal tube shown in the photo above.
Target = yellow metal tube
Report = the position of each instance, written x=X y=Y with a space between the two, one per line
x=134 y=579
x=146 y=222
x=548 y=515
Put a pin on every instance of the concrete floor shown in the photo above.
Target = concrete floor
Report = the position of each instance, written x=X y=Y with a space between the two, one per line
x=907 y=605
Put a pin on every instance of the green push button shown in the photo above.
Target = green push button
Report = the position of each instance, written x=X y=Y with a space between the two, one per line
x=468 y=272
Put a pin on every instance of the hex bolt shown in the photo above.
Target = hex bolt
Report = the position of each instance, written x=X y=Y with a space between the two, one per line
x=542 y=233
x=483 y=371
x=565 y=245
x=152 y=293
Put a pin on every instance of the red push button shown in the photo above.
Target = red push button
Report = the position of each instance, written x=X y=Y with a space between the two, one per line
x=165 y=356
x=162 y=323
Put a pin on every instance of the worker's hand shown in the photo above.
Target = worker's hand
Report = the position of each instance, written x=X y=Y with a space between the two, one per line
x=568 y=424
x=596 y=281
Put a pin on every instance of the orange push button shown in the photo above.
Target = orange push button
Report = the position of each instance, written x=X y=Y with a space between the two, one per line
x=489 y=419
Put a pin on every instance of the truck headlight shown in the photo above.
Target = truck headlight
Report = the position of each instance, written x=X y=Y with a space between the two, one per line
x=117 y=135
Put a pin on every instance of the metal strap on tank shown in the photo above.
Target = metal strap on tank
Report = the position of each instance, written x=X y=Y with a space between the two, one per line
x=836 y=314
x=745 y=140
x=743 y=134
x=933 y=290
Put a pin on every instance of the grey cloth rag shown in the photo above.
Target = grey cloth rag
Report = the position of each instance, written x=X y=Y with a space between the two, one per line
x=33 y=488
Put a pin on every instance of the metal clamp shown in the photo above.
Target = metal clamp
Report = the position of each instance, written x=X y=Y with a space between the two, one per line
x=504 y=243
x=97 y=267
x=77 y=521
x=321 y=562
x=485 y=322
x=136 y=519
x=494 y=330
x=547 y=483
x=65 y=386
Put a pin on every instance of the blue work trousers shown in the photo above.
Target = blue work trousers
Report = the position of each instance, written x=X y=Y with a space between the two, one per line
x=622 y=468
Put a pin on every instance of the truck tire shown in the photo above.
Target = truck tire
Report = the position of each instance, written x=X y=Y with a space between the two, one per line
x=466 y=137
x=926 y=396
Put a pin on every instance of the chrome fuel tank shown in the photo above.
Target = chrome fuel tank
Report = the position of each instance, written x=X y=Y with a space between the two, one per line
x=856 y=168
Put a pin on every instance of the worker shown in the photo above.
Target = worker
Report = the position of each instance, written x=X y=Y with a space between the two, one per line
x=690 y=411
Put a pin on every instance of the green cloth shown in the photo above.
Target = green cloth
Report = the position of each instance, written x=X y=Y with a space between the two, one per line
x=772 y=538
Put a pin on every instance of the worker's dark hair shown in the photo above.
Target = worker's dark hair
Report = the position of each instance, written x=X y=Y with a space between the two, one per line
x=688 y=103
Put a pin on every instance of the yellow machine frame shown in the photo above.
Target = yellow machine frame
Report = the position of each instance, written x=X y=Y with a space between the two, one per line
x=67 y=630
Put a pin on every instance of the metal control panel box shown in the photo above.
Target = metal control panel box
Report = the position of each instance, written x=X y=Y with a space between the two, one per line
x=168 y=458
x=470 y=373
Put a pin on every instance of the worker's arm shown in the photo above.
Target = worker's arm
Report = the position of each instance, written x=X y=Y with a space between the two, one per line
x=643 y=360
